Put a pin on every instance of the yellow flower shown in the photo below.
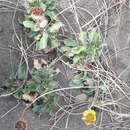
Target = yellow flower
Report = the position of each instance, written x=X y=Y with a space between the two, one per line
x=89 y=117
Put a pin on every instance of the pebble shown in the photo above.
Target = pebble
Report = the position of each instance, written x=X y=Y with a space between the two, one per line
x=81 y=97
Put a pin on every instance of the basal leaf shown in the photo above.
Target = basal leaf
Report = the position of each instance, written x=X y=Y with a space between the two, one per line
x=42 y=44
x=77 y=81
x=36 y=3
x=54 y=43
x=83 y=37
x=90 y=81
x=93 y=36
x=56 y=99
x=37 y=37
x=43 y=6
x=70 y=54
x=28 y=24
x=51 y=15
x=64 y=49
x=69 y=42
x=32 y=34
x=21 y=74
x=44 y=22
x=78 y=49
x=53 y=84
x=18 y=95
x=55 y=27
x=77 y=58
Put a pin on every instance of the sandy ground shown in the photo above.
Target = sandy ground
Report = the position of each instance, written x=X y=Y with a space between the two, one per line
x=118 y=37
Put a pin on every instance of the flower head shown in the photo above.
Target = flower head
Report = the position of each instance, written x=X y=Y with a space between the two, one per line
x=89 y=117
x=37 y=13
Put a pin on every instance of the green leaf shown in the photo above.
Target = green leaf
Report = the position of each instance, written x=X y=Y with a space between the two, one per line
x=51 y=4
x=77 y=58
x=70 y=54
x=93 y=36
x=91 y=59
x=83 y=37
x=44 y=22
x=77 y=81
x=64 y=49
x=69 y=42
x=55 y=43
x=51 y=15
x=42 y=44
x=36 y=28
x=43 y=6
x=37 y=37
x=31 y=34
x=45 y=98
x=36 y=3
x=90 y=81
x=55 y=27
x=51 y=113
x=56 y=99
x=28 y=24
x=35 y=108
x=52 y=84
x=39 y=109
x=18 y=95
x=20 y=21
x=21 y=74
x=78 y=49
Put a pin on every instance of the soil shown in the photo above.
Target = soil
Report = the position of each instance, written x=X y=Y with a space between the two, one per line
x=117 y=37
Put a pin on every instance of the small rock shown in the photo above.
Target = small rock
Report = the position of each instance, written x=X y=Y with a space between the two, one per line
x=81 y=97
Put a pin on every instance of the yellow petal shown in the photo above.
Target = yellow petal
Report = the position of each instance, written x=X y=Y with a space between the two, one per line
x=89 y=117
